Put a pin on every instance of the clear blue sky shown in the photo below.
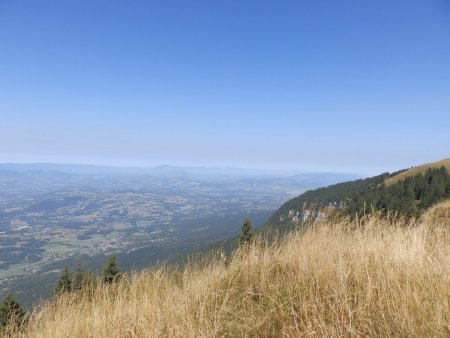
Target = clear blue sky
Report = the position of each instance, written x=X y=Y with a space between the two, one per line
x=353 y=86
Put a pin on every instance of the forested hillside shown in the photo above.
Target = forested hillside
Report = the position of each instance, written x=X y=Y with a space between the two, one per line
x=419 y=169
x=410 y=196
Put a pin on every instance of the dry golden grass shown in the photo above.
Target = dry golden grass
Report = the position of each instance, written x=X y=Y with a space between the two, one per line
x=370 y=277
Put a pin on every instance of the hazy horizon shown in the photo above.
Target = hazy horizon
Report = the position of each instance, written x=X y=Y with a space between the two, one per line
x=263 y=170
x=219 y=170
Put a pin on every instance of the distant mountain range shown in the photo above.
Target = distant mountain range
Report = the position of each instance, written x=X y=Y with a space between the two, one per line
x=170 y=171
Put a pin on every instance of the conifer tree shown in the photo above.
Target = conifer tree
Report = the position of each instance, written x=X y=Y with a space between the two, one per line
x=247 y=234
x=64 y=283
x=11 y=311
x=110 y=271
x=78 y=280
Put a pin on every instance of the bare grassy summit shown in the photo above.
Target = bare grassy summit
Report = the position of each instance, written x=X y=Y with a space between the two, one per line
x=370 y=277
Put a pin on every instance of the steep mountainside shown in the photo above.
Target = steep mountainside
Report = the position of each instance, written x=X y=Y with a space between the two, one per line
x=410 y=194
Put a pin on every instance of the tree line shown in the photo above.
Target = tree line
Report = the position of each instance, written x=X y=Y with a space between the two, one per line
x=83 y=279
x=410 y=196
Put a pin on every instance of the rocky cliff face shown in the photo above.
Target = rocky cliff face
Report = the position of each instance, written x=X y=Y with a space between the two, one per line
x=304 y=215
x=309 y=213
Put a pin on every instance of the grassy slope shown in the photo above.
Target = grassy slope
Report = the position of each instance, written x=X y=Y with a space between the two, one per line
x=337 y=278
x=419 y=169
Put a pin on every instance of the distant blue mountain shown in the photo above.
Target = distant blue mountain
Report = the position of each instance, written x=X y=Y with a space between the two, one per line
x=167 y=171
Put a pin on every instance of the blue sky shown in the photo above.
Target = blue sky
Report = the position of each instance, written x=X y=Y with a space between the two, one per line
x=352 y=86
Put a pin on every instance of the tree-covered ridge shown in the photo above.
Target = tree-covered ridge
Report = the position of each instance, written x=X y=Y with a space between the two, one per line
x=419 y=169
x=410 y=196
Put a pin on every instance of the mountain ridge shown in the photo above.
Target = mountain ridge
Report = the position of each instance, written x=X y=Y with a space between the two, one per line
x=412 y=192
x=164 y=170
x=419 y=169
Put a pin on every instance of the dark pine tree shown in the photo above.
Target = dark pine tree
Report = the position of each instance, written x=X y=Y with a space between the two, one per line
x=247 y=234
x=110 y=270
x=78 y=280
x=11 y=312
x=64 y=283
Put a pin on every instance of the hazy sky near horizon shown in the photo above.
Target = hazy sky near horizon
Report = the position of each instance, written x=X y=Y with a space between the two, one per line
x=351 y=86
